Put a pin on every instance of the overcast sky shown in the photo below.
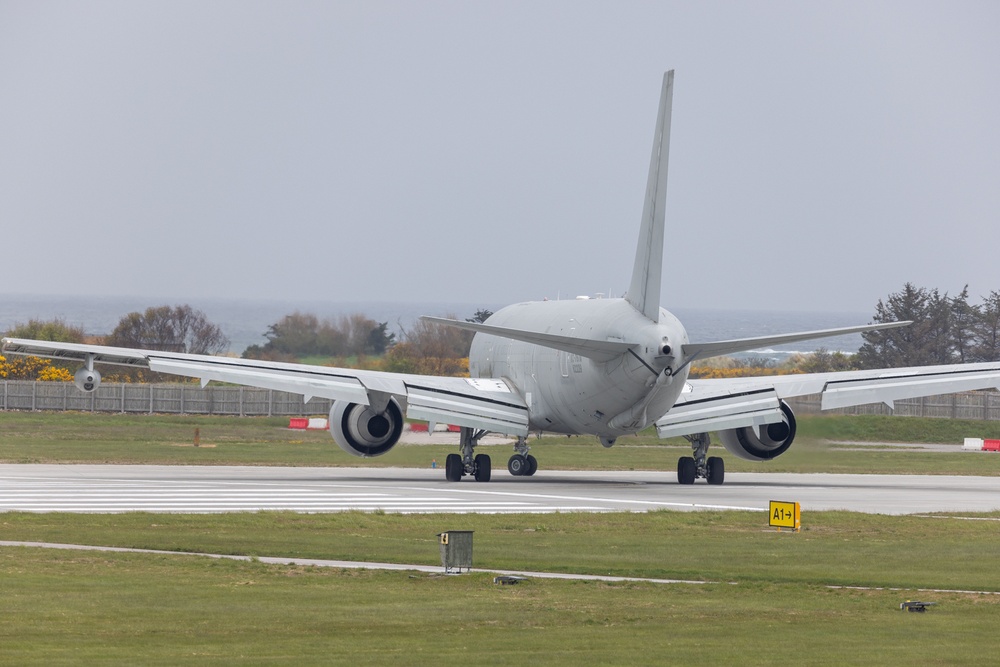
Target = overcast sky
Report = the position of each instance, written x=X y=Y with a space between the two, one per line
x=822 y=154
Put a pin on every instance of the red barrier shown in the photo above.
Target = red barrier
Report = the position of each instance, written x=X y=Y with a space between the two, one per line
x=991 y=445
x=298 y=423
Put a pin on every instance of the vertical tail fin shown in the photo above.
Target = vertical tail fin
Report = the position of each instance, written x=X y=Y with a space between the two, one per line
x=644 y=291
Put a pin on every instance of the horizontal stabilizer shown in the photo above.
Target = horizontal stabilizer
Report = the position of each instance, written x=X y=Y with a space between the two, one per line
x=723 y=347
x=598 y=350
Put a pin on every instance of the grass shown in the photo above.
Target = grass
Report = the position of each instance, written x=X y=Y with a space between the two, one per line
x=882 y=428
x=771 y=607
x=833 y=548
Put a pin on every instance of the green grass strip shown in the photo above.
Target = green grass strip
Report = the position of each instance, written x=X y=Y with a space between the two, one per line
x=773 y=608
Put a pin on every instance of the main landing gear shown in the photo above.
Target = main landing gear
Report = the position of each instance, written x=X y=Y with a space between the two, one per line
x=468 y=463
x=690 y=468
x=522 y=464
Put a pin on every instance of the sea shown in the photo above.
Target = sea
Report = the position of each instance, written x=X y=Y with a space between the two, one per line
x=245 y=321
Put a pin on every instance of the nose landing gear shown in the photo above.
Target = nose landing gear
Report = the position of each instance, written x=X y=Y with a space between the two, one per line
x=522 y=464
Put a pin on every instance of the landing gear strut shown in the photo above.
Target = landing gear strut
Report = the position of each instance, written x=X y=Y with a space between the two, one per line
x=522 y=464
x=468 y=463
x=712 y=469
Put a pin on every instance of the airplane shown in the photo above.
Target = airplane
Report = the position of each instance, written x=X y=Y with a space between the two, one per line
x=603 y=367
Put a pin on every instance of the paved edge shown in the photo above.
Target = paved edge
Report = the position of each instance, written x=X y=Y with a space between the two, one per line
x=348 y=564
x=399 y=567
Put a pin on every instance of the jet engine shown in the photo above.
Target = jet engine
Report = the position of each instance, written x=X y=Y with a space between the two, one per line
x=87 y=379
x=362 y=431
x=763 y=443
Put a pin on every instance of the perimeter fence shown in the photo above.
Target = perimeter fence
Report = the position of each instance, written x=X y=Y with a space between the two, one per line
x=175 y=398
x=165 y=398
x=976 y=405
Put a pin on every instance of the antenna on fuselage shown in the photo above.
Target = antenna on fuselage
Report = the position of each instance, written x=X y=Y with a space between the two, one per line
x=644 y=290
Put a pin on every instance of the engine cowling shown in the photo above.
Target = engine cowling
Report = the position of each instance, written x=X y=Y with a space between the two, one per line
x=770 y=441
x=361 y=431
x=87 y=379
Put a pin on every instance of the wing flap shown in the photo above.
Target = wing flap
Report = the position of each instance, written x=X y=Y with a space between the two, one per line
x=721 y=413
x=480 y=410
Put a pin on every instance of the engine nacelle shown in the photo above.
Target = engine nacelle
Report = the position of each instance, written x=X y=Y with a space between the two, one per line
x=87 y=379
x=764 y=444
x=361 y=431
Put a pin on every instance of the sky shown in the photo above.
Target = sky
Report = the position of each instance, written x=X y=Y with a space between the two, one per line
x=822 y=154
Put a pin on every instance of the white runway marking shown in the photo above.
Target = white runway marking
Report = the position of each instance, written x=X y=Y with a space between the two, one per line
x=204 y=489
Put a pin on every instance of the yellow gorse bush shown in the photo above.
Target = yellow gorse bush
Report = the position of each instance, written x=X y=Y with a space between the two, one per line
x=54 y=374
x=32 y=368
x=712 y=373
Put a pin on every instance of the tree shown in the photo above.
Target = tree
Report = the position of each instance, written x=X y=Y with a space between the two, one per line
x=824 y=361
x=294 y=334
x=302 y=334
x=431 y=348
x=921 y=343
x=365 y=335
x=945 y=330
x=53 y=330
x=481 y=316
x=937 y=340
x=964 y=324
x=430 y=339
x=380 y=339
x=174 y=329
x=988 y=329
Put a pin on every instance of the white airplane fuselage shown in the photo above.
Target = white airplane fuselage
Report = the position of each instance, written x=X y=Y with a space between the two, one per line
x=574 y=394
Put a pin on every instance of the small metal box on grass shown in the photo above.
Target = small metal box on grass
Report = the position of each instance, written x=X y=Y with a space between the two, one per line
x=456 y=550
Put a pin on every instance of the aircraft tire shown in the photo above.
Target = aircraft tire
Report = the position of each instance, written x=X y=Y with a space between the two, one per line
x=716 y=470
x=453 y=468
x=484 y=467
x=532 y=465
x=517 y=465
x=686 y=470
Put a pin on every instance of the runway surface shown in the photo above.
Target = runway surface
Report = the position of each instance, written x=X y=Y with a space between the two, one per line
x=208 y=489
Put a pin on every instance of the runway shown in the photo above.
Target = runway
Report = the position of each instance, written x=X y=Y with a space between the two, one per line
x=211 y=489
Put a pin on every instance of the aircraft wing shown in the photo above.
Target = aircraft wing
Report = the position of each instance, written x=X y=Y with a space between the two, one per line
x=477 y=402
x=721 y=404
